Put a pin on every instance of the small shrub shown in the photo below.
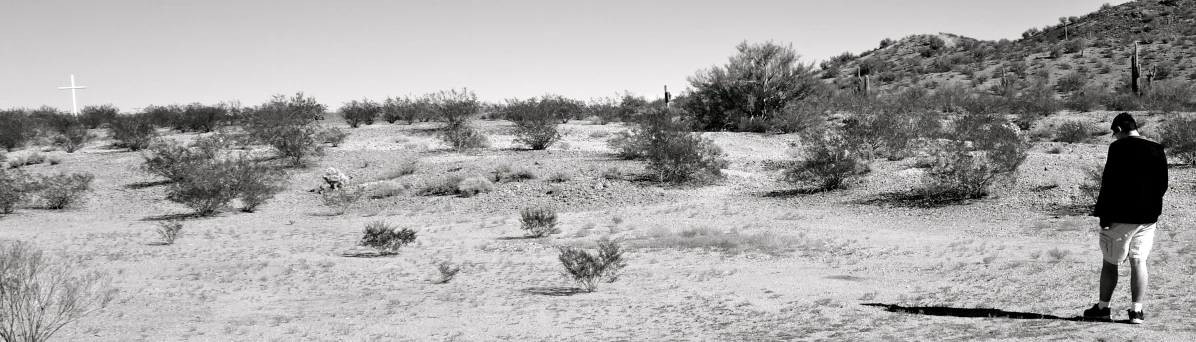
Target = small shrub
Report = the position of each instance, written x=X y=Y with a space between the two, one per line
x=62 y=190
x=627 y=145
x=386 y=189
x=16 y=127
x=612 y=173
x=463 y=137
x=41 y=295
x=1073 y=132
x=134 y=132
x=360 y=112
x=341 y=199
x=473 y=186
x=384 y=238
x=1058 y=255
x=675 y=154
x=405 y=109
x=206 y=184
x=588 y=269
x=443 y=187
x=170 y=231
x=172 y=160
x=507 y=173
x=1178 y=134
x=1072 y=82
x=13 y=190
x=95 y=116
x=828 y=164
x=332 y=136
x=287 y=125
x=447 y=271
x=407 y=167
x=536 y=118
x=963 y=170
x=1090 y=186
x=539 y=221
x=73 y=138
x=560 y=177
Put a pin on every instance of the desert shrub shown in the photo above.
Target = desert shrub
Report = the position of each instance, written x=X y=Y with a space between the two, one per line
x=588 y=269
x=16 y=127
x=447 y=271
x=198 y=117
x=457 y=108
x=463 y=137
x=73 y=138
x=384 y=238
x=674 y=153
x=51 y=120
x=829 y=162
x=539 y=221
x=723 y=96
x=1171 y=96
x=407 y=167
x=473 y=186
x=559 y=177
x=627 y=145
x=13 y=190
x=62 y=190
x=603 y=109
x=1123 y=101
x=341 y=199
x=360 y=112
x=1090 y=185
x=1071 y=82
x=173 y=160
x=536 y=118
x=332 y=136
x=206 y=184
x=1073 y=132
x=95 y=116
x=134 y=132
x=507 y=173
x=1035 y=101
x=41 y=295
x=442 y=187
x=287 y=125
x=400 y=108
x=386 y=189
x=1178 y=134
x=255 y=183
x=981 y=151
x=170 y=231
x=1086 y=99
x=163 y=116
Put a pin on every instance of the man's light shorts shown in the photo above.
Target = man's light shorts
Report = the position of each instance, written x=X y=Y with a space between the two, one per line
x=1124 y=240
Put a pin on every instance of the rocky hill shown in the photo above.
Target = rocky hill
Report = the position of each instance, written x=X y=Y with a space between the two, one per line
x=1091 y=50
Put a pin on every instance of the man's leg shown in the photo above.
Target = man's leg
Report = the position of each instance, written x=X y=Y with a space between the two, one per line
x=1138 y=279
x=1108 y=281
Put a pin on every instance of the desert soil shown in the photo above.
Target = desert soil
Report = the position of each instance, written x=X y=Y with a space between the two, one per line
x=825 y=266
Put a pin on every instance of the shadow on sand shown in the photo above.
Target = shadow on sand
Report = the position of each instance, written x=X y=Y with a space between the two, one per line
x=554 y=291
x=975 y=313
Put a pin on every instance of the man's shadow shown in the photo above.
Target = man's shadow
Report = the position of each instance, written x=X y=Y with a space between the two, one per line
x=975 y=313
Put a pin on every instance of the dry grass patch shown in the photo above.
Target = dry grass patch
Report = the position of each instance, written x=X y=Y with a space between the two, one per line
x=734 y=242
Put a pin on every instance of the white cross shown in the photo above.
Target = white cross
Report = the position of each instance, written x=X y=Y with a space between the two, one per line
x=74 y=104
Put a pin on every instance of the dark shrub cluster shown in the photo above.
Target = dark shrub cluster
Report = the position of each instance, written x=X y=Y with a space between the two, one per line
x=1178 y=135
x=386 y=239
x=205 y=180
x=457 y=108
x=95 y=116
x=673 y=152
x=1073 y=132
x=16 y=128
x=756 y=85
x=539 y=221
x=360 y=112
x=406 y=109
x=536 y=118
x=134 y=132
x=829 y=161
x=980 y=150
x=61 y=191
x=287 y=124
x=588 y=269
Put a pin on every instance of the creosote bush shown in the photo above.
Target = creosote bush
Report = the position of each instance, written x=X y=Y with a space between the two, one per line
x=341 y=199
x=16 y=127
x=40 y=295
x=386 y=239
x=73 y=138
x=287 y=124
x=1073 y=132
x=134 y=132
x=1178 y=135
x=95 y=116
x=473 y=186
x=507 y=173
x=13 y=190
x=360 y=112
x=536 y=118
x=980 y=151
x=62 y=190
x=538 y=221
x=170 y=231
x=829 y=162
x=1090 y=186
x=674 y=153
x=447 y=271
x=588 y=269
x=332 y=136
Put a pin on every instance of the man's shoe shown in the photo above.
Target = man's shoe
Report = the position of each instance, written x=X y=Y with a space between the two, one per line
x=1097 y=313
x=1136 y=317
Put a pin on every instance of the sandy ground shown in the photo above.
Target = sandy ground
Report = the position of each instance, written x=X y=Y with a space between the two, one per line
x=833 y=266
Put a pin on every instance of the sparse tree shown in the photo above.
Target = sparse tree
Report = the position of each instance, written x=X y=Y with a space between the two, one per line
x=756 y=84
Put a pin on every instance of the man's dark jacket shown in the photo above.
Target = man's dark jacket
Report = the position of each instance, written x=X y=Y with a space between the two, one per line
x=1133 y=183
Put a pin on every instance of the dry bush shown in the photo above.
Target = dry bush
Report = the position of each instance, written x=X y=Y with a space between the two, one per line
x=441 y=187
x=407 y=167
x=170 y=231
x=1090 y=185
x=981 y=151
x=360 y=112
x=134 y=132
x=473 y=186
x=287 y=125
x=447 y=271
x=173 y=160
x=1073 y=132
x=62 y=190
x=341 y=199
x=603 y=109
x=1071 y=82
x=463 y=136
x=16 y=127
x=1178 y=135
x=1171 y=96
x=73 y=138
x=725 y=96
x=386 y=239
x=386 y=189
x=507 y=173
x=828 y=163
x=39 y=295
x=332 y=136
x=674 y=153
x=560 y=177
x=539 y=221
x=588 y=269
x=13 y=190
x=95 y=116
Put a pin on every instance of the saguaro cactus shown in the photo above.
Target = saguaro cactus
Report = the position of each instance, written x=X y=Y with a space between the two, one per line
x=1135 y=71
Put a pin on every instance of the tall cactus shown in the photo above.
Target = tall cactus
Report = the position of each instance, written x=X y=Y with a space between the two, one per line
x=1135 y=71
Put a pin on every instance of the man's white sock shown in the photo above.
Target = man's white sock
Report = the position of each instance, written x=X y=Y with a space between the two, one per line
x=1137 y=306
x=1102 y=305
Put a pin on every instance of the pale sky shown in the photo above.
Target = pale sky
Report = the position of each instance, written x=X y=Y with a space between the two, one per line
x=133 y=53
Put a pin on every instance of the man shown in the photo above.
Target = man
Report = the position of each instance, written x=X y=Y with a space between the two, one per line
x=1130 y=201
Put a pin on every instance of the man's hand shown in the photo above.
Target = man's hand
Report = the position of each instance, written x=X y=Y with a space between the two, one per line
x=1104 y=224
